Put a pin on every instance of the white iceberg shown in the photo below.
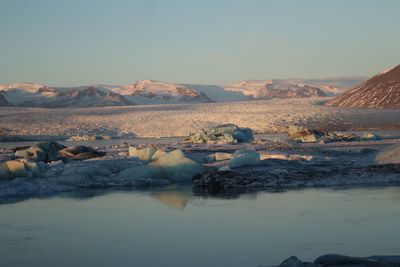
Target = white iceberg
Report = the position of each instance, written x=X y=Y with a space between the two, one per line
x=244 y=157
x=146 y=154
x=19 y=168
x=173 y=166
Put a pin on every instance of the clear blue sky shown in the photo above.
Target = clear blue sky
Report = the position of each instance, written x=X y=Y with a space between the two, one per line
x=70 y=42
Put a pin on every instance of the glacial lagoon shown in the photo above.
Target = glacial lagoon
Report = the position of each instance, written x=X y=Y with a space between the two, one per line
x=175 y=227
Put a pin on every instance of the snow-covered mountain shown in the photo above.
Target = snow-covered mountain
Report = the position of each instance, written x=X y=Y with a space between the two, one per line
x=294 y=88
x=142 y=92
x=157 y=92
x=268 y=89
x=380 y=91
x=18 y=93
x=86 y=96
x=35 y=95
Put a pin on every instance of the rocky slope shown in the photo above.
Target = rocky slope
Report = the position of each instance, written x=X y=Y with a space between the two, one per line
x=381 y=91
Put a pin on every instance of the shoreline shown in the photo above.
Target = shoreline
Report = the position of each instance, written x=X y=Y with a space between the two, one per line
x=282 y=167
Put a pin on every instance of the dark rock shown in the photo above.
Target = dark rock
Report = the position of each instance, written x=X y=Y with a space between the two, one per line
x=374 y=261
x=334 y=260
x=80 y=153
x=295 y=262
x=303 y=134
x=44 y=151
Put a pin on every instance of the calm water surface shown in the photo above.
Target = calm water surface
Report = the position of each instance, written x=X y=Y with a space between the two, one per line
x=172 y=227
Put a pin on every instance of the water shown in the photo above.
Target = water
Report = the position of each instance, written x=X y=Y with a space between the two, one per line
x=172 y=227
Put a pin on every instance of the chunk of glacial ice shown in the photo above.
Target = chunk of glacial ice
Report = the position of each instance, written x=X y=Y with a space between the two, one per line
x=218 y=156
x=142 y=172
x=177 y=167
x=173 y=166
x=144 y=154
x=159 y=153
x=244 y=157
x=17 y=168
x=390 y=155
x=4 y=173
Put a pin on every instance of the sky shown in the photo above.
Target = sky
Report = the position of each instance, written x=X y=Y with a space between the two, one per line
x=77 y=42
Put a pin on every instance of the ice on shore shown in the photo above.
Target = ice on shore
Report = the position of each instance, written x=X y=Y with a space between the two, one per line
x=177 y=167
x=19 y=168
x=244 y=157
x=219 y=156
x=223 y=134
x=227 y=161
x=173 y=166
x=303 y=166
x=142 y=172
x=146 y=154
x=390 y=155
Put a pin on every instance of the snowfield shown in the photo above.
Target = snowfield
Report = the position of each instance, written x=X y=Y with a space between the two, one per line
x=263 y=116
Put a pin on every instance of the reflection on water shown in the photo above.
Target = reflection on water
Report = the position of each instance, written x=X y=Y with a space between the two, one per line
x=173 y=199
x=176 y=227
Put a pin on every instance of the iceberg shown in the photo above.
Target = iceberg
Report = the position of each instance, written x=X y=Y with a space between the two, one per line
x=219 y=156
x=177 y=167
x=144 y=154
x=222 y=134
x=173 y=166
x=19 y=168
x=390 y=155
x=244 y=157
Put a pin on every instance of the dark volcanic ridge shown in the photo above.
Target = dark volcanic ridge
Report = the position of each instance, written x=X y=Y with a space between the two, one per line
x=381 y=91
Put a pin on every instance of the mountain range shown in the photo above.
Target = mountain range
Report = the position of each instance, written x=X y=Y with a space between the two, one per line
x=145 y=92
